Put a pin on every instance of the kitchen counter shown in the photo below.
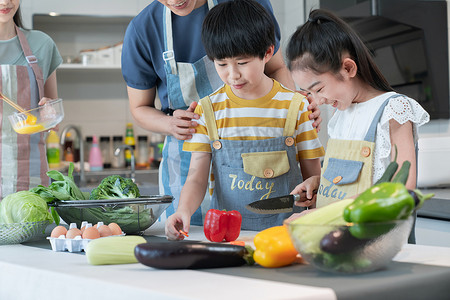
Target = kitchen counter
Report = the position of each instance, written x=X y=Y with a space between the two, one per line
x=32 y=271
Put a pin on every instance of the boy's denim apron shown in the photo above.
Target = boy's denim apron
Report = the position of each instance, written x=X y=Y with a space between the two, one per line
x=186 y=83
x=347 y=166
x=23 y=156
x=246 y=171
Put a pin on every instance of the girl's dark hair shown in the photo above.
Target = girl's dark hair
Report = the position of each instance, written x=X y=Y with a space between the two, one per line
x=318 y=45
x=234 y=28
x=18 y=18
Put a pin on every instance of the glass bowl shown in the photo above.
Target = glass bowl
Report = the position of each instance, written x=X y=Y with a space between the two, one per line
x=39 y=119
x=133 y=216
x=350 y=248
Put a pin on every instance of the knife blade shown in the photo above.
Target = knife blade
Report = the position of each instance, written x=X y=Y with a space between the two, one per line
x=276 y=205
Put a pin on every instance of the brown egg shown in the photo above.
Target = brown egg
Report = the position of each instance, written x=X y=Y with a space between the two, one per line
x=58 y=231
x=72 y=233
x=104 y=231
x=115 y=228
x=91 y=233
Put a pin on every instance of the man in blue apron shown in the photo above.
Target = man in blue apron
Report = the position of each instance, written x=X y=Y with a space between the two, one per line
x=163 y=53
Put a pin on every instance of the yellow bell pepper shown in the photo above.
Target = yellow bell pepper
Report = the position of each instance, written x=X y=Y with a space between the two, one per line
x=274 y=248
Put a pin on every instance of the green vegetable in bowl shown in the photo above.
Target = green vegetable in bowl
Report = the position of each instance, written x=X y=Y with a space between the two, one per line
x=115 y=187
x=23 y=206
x=62 y=187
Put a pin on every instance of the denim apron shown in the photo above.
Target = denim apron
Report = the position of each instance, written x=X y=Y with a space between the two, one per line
x=246 y=171
x=186 y=83
x=23 y=157
x=348 y=165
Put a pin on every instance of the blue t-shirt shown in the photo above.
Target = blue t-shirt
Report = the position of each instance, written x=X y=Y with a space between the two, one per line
x=142 y=62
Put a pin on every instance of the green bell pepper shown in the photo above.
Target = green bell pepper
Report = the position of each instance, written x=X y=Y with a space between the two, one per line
x=385 y=201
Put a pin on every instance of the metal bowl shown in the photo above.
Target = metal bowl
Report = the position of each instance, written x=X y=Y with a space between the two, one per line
x=132 y=215
x=16 y=233
x=334 y=248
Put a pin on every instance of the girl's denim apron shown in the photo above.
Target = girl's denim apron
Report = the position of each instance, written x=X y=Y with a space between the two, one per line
x=186 y=83
x=246 y=171
x=348 y=164
x=23 y=157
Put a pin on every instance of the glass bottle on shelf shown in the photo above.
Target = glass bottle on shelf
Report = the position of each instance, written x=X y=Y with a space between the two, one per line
x=130 y=141
x=68 y=148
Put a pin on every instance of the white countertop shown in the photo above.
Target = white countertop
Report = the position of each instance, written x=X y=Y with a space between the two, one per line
x=36 y=273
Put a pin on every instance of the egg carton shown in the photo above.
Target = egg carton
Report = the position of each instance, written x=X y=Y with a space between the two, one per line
x=61 y=244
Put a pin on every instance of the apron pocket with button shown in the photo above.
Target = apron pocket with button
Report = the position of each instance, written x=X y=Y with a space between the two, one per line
x=341 y=171
x=266 y=164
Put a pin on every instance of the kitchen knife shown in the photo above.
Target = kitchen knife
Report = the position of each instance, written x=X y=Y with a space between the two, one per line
x=276 y=205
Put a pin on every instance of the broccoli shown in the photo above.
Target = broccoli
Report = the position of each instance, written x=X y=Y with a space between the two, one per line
x=115 y=187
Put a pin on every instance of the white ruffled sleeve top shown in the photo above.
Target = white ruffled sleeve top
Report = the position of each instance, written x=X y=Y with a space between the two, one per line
x=353 y=123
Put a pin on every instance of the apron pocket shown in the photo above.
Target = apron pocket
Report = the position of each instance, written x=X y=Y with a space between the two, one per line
x=266 y=164
x=341 y=171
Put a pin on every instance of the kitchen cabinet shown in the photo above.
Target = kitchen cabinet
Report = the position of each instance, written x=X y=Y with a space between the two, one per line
x=95 y=96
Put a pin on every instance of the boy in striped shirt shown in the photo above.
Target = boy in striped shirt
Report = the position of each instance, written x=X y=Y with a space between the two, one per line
x=253 y=133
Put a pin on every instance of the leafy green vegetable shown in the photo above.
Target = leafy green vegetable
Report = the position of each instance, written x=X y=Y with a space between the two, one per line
x=115 y=187
x=23 y=206
x=62 y=188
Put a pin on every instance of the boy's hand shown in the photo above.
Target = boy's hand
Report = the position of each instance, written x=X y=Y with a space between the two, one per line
x=181 y=122
x=308 y=186
x=176 y=222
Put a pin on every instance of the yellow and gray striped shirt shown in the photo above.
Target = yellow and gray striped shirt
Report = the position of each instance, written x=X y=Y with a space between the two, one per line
x=257 y=119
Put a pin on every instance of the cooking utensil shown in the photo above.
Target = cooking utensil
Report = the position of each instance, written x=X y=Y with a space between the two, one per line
x=277 y=205
x=31 y=120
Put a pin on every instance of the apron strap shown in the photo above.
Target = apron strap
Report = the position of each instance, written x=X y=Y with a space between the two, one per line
x=169 y=55
x=372 y=131
x=209 y=118
x=291 y=118
x=32 y=61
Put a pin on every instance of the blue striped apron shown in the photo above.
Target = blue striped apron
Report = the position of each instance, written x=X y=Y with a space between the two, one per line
x=186 y=83
x=23 y=157
x=237 y=183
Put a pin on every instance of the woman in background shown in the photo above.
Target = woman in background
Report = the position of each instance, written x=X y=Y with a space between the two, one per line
x=28 y=60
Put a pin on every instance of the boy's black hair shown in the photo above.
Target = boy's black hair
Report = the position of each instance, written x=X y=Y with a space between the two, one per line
x=235 y=28
x=318 y=45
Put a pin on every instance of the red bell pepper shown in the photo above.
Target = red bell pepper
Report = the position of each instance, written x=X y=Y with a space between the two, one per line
x=222 y=225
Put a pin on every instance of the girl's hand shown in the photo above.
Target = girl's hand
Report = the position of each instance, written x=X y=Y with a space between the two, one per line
x=308 y=186
x=176 y=222
x=44 y=100
x=180 y=125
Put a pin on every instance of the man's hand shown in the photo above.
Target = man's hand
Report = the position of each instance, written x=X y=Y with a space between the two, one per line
x=315 y=111
x=180 y=125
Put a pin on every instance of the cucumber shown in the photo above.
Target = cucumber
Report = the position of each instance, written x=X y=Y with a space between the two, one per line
x=390 y=170
x=191 y=255
x=403 y=173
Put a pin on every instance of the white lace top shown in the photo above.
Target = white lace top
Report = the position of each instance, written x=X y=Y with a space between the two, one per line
x=353 y=123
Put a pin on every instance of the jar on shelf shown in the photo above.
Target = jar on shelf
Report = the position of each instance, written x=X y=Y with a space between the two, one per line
x=118 y=161
x=142 y=161
x=105 y=147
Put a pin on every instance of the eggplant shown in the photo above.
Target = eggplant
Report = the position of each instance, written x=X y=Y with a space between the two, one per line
x=192 y=255
x=341 y=241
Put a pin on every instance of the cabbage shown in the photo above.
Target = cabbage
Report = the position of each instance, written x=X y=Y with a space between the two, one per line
x=23 y=206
